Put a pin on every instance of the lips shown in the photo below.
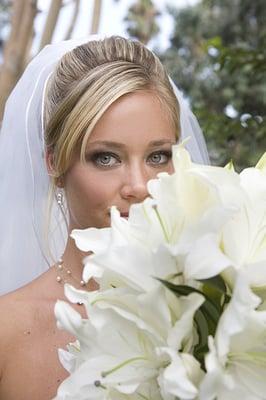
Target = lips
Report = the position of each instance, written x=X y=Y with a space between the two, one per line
x=123 y=214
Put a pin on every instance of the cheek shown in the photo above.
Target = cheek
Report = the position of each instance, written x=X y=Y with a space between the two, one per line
x=90 y=189
x=169 y=168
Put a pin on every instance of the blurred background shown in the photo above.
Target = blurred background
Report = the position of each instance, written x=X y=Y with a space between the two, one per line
x=214 y=50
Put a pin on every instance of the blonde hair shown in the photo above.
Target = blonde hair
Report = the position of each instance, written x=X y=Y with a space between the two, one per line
x=86 y=81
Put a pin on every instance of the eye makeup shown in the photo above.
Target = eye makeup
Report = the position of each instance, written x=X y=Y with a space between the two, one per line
x=159 y=158
x=103 y=159
x=108 y=159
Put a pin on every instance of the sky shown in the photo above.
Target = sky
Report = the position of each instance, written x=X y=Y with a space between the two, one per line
x=111 y=18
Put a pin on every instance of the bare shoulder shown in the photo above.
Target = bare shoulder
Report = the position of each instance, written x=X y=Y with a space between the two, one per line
x=14 y=311
x=23 y=313
x=17 y=313
x=23 y=304
x=15 y=308
x=29 y=341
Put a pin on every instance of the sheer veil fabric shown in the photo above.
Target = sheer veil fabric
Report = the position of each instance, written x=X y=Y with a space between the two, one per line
x=24 y=182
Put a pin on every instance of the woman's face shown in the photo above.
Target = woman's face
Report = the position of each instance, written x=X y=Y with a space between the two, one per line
x=129 y=145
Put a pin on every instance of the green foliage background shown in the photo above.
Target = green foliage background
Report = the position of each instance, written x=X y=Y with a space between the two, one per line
x=217 y=57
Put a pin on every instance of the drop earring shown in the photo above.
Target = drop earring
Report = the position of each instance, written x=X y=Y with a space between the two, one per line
x=59 y=199
x=61 y=204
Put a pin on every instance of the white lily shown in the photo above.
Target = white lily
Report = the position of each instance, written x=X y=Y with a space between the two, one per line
x=123 y=259
x=128 y=342
x=244 y=237
x=189 y=192
x=139 y=340
x=193 y=211
x=163 y=237
x=236 y=363
x=222 y=211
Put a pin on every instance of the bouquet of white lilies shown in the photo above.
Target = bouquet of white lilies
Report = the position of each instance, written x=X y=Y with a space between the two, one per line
x=180 y=312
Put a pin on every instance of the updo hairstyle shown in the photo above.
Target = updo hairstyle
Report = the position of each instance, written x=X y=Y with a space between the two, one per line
x=86 y=81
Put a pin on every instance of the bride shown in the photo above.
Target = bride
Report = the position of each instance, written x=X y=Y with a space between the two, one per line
x=85 y=128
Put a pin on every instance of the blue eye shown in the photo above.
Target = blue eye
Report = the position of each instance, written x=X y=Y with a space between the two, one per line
x=105 y=159
x=160 y=157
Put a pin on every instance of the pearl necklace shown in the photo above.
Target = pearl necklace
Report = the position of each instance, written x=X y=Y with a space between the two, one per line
x=64 y=274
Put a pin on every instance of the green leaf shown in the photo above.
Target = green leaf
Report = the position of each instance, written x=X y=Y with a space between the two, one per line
x=215 y=289
x=203 y=333
x=209 y=309
x=216 y=282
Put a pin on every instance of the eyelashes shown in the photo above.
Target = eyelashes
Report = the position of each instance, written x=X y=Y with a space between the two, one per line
x=104 y=159
x=161 y=157
x=107 y=159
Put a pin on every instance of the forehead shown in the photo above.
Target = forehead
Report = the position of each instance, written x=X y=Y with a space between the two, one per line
x=135 y=117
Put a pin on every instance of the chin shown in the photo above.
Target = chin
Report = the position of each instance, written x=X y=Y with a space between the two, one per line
x=104 y=224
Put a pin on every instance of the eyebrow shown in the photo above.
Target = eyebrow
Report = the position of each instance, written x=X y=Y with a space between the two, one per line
x=154 y=143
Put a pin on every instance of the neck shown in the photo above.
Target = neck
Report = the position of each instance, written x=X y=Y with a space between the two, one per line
x=73 y=257
x=73 y=261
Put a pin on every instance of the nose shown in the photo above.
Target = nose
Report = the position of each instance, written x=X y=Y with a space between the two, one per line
x=134 y=186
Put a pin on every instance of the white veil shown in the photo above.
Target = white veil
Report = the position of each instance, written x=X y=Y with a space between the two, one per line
x=24 y=181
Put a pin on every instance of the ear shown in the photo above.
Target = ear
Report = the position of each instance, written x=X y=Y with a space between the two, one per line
x=49 y=160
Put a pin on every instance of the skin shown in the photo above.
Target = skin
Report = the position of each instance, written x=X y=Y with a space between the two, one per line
x=139 y=135
x=122 y=155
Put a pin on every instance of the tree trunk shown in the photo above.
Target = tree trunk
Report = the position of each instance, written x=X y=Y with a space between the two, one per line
x=96 y=15
x=51 y=21
x=16 y=47
x=73 y=20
